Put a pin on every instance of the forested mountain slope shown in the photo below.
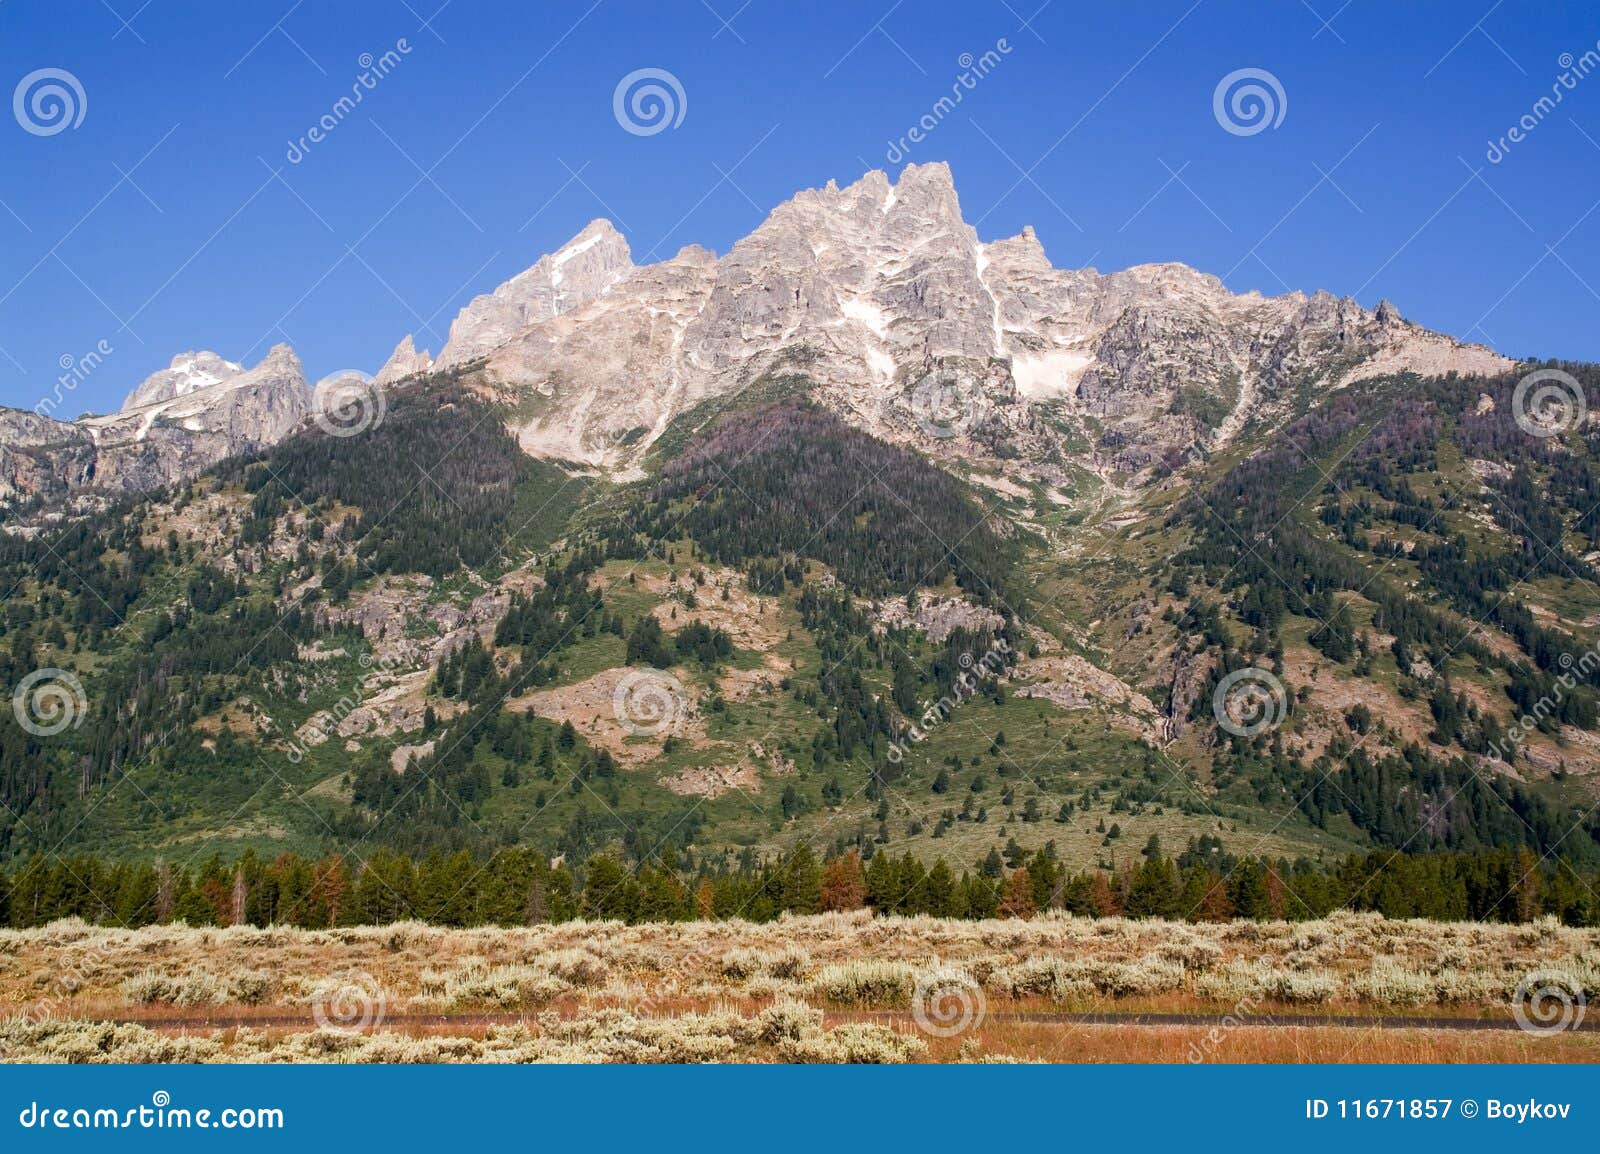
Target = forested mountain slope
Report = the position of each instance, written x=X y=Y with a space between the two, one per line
x=791 y=632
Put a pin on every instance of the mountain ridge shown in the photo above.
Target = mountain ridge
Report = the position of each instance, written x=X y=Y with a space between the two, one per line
x=879 y=292
x=868 y=288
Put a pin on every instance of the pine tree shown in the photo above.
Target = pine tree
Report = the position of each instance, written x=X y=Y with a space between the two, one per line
x=843 y=885
x=1017 y=901
x=992 y=866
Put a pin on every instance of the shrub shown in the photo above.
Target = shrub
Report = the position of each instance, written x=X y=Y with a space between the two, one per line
x=197 y=989
x=1388 y=983
x=866 y=983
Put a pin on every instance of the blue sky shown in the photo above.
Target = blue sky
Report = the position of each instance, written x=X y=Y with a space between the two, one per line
x=171 y=218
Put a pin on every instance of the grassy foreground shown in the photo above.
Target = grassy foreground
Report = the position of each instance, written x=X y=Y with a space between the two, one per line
x=825 y=988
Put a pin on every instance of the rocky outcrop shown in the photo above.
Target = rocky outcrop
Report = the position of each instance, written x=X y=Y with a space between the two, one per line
x=42 y=458
x=579 y=271
x=866 y=290
x=188 y=373
x=177 y=423
x=404 y=362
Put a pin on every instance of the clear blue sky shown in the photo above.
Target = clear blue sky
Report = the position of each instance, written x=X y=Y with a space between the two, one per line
x=157 y=225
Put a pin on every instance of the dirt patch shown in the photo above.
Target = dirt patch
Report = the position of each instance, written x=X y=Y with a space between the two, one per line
x=1332 y=696
x=240 y=718
x=746 y=684
x=714 y=780
x=723 y=602
x=402 y=755
x=628 y=712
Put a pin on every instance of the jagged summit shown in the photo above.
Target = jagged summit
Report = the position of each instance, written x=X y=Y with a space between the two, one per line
x=179 y=421
x=580 y=270
x=876 y=292
x=867 y=287
x=404 y=362
x=187 y=373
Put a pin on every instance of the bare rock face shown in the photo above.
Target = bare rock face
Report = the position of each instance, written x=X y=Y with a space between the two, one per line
x=188 y=418
x=579 y=271
x=610 y=374
x=187 y=373
x=879 y=291
x=404 y=362
x=41 y=457
x=878 y=294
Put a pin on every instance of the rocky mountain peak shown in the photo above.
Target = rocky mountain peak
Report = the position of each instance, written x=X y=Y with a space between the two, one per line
x=187 y=373
x=1023 y=251
x=695 y=254
x=584 y=268
x=280 y=358
x=404 y=362
x=929 y=189
x=178 y=422
x=866 y=288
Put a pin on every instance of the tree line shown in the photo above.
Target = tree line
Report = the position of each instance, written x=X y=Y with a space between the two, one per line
x=520 y=886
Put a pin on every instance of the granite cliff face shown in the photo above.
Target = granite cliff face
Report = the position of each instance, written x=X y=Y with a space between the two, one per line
x=42 y=457
x=879 y=294
x=883 y=296
x=581 y=270
x=404 y=362
x=175 y=424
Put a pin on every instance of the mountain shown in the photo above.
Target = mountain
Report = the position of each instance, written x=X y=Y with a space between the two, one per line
x=878 y=293
x=175 y=424
x=862 y=534
x=404 y=362
x=582 y=269
x=869 y=289
x=187 y=373
x=41 y=457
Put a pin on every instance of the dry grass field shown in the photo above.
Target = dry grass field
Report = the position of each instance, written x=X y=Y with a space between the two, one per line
x=827 y=988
